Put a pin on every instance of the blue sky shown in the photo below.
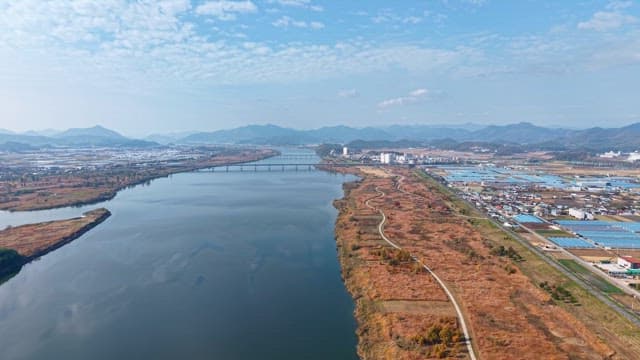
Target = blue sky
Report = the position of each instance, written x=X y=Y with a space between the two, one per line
x=159 y=66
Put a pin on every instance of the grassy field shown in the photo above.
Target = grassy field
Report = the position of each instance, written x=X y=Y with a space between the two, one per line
x=602 y=284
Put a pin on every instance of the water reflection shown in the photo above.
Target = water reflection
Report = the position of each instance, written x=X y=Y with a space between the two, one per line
x=198 y=266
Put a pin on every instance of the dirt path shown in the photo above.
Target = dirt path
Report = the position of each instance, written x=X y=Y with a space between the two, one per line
x=463 y=323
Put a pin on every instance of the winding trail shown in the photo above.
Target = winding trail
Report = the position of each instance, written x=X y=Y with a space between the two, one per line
x=463 y=323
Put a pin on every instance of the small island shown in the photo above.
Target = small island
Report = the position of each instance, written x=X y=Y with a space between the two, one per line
x=21 y=244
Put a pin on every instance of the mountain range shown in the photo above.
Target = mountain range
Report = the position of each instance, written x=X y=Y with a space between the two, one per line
x=96 y=136
x=521 y=135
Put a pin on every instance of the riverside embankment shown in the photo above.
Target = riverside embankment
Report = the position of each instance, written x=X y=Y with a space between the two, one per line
x=402 y=310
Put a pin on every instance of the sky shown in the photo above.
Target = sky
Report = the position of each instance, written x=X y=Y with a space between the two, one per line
x=145 y=66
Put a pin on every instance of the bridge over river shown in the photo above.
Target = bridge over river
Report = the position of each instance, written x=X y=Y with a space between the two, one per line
x=279 y=166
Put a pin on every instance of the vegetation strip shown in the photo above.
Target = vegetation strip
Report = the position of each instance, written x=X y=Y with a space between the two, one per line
x=508 y=296
x=463 y=324
x=21 y=244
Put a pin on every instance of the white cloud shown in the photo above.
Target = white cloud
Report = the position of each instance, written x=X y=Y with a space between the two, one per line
x=619 y=5
x=142 y=46
x=476 y=2
x=307 y=4
x=348 y=93
x=612 y=19
x=225 y=9
x=603 y=21
x=623 y=51
x=418 y=93
x=257 y=48
x=388 y=16
x=286 y=21
x=293 y=2
x=415 y=96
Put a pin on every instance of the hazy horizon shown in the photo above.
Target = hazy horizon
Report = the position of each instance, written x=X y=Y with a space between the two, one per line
x=55 y=131
x=179 y=65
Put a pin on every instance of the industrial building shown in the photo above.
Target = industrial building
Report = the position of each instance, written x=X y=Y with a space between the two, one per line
x=629 y=262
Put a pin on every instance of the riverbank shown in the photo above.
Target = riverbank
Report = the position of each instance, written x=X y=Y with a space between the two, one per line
x=403 y=313
x=21 y=244
x=401 y=310
x=89 y=186
x=242 y=265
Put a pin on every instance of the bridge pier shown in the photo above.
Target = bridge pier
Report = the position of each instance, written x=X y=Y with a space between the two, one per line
x=301 y=166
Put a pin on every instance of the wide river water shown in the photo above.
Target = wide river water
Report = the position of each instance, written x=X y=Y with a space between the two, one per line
x=199 y=265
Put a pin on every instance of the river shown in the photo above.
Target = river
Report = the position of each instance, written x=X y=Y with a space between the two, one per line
x=199 y=265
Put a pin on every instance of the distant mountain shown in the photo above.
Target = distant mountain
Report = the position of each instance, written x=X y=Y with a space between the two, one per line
x=512 y=137
x=276 y=135
x=521 y=135
x=96 y=136
x=12 y=146
x=26 y=139
x=169 y=138
x=99 y=136
x=626 y=138
x=5 y=131
x=45 y=132
x=344 y=134
x=96 y=131
x=245 y=134
x=426 y=132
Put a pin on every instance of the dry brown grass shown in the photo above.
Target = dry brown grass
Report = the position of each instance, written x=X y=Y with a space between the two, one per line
x=396 y=301
x=37 y=239
x=509 y=315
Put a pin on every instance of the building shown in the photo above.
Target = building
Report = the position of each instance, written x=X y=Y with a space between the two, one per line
x=629 y=262
x=634 y=156
x=613 y=270
x=610 y=155
x=385 y=158
x=580 y=214
x=345 y=151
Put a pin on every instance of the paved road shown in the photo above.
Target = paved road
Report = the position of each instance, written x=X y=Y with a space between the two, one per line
x=463 y=323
